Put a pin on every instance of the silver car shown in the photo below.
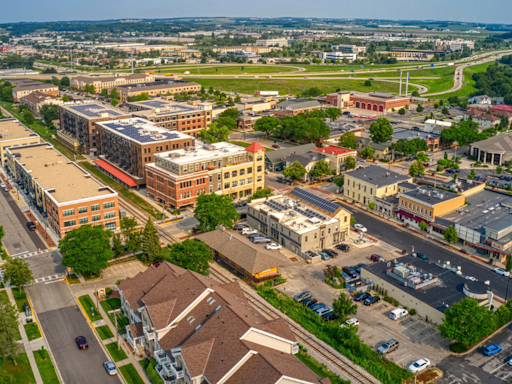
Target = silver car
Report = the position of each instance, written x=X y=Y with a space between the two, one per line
x=110 y=367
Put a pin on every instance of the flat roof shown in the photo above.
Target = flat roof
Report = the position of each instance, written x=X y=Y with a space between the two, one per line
x=378 y=176
x=52 y=170
x=28 y=87
x=142 y=131
x=430 y=195
x=401 y=133
x=377 y=96
x=448 y=290
x=201 y=153
x=91 y=110
x=163 y=107
x=141 y=87
x=12 y=129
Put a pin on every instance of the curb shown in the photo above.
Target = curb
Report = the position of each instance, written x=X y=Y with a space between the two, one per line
x=477 y=345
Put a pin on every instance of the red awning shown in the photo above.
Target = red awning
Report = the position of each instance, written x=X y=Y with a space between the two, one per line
x=116 y=173
x=406 y=214
x=420 y=219
x=490 y=248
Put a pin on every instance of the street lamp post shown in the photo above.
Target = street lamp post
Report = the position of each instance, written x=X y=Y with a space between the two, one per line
x=117 y=330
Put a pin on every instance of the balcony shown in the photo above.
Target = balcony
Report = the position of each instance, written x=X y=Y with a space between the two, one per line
x=150 y=335
x=130 y=339
x=164 y=375
x=161 y=357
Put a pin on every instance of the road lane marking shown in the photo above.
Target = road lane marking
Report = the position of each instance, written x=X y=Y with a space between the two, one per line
x=21 y=253
x=54 y=281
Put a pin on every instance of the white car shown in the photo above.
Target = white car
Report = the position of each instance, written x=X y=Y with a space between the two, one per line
x=502 y=272
x=2 y=185
x=360 y=227
x=471 y=278
x=273 y=246
x=352 y=321
x=419 y=365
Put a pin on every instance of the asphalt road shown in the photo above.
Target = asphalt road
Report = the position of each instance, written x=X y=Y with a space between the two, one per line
x=402 y=239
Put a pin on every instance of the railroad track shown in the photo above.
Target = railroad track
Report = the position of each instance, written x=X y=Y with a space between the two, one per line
x=304 y=338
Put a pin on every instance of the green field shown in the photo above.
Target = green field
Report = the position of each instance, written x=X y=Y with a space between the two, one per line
x=297 y=85
x=230 y=70
x=45 y=366
x=22 y=372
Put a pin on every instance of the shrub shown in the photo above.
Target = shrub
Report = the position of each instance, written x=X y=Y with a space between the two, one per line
x=108 y=291
x=412 y=312
x=458 y=347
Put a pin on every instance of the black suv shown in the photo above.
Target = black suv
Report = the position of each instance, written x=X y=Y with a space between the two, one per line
x=343 y=247
x=349 y=271
x=31 y=226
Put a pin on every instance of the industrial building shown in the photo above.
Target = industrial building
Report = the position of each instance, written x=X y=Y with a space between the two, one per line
x=349 y=48
x=338 y=56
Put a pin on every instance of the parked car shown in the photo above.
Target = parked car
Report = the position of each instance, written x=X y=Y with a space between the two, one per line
x=422 y=256
x=398 y=313
x=343 y=247
x=349 y=271
x=323 y=310
x=31 y=226
x=2 y=185
x=253 y=235
x=494 y=183
x=81 y=342
x=371 y=300
x=388 y=346
x=502 y=272
x=376 y=258
x=6 y=189
x=471 y=278
x=278 y=169
x=508 y=178
x=352 y=321
x=324 y=256
x=502 y=177
x=249 y=231
x=330 y=252
x=275 y=146
x=362 y=296
x=360 y=228
x=358 y=267
x=110 y=367
x=261 y=240
x=330 y=316
x=331 y=179
x=273 y=246
x=309 y=301
x=243 y=203
x=316 y=306
x=345 y=276
x=419 y=365
x=239 y=227
x=492 y=349
x=302 y=296
x=430 y=153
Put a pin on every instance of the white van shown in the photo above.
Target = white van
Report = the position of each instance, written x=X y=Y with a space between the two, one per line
x=398 y=314
x=248 y=231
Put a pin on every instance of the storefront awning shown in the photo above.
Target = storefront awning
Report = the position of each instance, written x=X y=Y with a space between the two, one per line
x=490 y=248
x=406 y=214
x=116 y=173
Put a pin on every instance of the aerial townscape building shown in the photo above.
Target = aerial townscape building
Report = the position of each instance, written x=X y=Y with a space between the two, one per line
x=25 y=88
x=109 y=82
x=34 y=101
x=13 y=134
x=374 y=101
x=156 y=88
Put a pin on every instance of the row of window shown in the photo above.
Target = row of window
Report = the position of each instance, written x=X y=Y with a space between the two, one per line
x=95 y=207
x=85 y=220
x=416 y=208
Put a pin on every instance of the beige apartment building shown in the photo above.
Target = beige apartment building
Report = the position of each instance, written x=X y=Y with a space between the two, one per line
x=300 y=221
x=177 y=178
x=27 y=88
x=108 y=82
x=364 y=185
x=61 y=189
x=35 y=101
x=157 y=88
x=13 y=134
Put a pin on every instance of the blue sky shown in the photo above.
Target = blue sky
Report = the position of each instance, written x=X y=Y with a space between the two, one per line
x=490 y=11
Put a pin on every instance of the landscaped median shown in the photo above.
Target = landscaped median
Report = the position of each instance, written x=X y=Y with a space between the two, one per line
x=130 y=374
x=88 y=306
x=344 y=340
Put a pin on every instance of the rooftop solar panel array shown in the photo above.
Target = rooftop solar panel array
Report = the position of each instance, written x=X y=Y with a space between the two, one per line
x=314 y=200
x=141 y=134
x=94 y=110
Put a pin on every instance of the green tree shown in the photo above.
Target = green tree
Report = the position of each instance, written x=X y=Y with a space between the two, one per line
x=259 y=194
x=114 y=94
x=294 y=171
x=368 y=152
x=151 y=250
x=467 y=322
x=339 y=181
x=419 y=108
x=367 y=83
x=104 y=92
x=213 y=210
x=445 y=111
x=28 y=116
x=86 y=249
x=143 y=96
x=416 y=169
x=350 y=163
x=114 y=102
x=423 y=225
x=344 y=305
x=401 y=111
x=17 y=271
x=9 y=322
x=445 y=156
x=381 y=130
x=267 y=124
x=422 y=157
x=348 y=140
x=191 y=254
x=415 y=94
x=450 y=234
x=65 y=98
x=371 y=205
x=65 y=81
x=49 y=112
x=7 y=94
x=320 y=169
x=215 y=133
x=332 y=113
x=118 y=247
x=6 y=378
x=472 y=174
x=499 y=169
x=132 y=239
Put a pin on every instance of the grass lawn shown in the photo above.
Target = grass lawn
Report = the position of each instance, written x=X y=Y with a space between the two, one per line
x=46 y=368
x=435 y=85
x=87 y=303
x=104 y=332
x=111 y=304
x=20 y=297
x=231 y=70
x=32 y=331
x=297 y=85
x=22 y=372
x=122 y=321
x=240 y=143
x=3 y=296
x=117 y=354
x=318 y=368
x=130 y=374
x=72 y=279
x=135 y=199
x=149 y=367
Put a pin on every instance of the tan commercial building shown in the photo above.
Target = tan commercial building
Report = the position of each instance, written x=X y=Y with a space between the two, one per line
x=61 y=189
x=300 y=221
x=35 y=101
x=364 y=185
x=293 y=107
x=157 y=88
x=178 y=177
x=201 y=331
x=108 y=82
x=13 y=134
x=25 y=89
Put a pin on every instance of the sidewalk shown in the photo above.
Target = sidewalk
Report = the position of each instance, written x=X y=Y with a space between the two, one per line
x=30 y=346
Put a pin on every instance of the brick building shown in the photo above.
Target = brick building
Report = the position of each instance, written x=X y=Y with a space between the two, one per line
x=126 y=146
x=375 y=101
x=157 y=88
x=177 y=177
x=61 y=190
x=182 y=117
x=77 y=123
x=35 y=101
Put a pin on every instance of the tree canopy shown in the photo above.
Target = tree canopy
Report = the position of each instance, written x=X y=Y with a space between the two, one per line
x=344 y=305
x=465 y=133
x=416 y=169
x=320 y=169
x=17 y=271
x=259 y=194
x=267 y=124
x=191 y=254
x=213 y=210
x=151 y=250
x=368 y=152
x=215 y=133
x=303 y=129
x=381 y=130
x=410 y=147
x=49 y=112
x=294 y=171
x=9 y=321
x=348 y=140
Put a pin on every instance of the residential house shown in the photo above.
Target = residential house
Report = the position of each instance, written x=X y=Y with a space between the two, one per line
x=277 y=159
x=307 y=160
x=35 y=101
x=382 y=150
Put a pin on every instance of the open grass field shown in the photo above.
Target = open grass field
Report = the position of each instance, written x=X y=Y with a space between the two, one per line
x=249 y=86
x=230 y=70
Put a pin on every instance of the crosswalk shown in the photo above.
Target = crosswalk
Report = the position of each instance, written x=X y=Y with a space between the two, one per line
x=26 y=254
x=49 y=279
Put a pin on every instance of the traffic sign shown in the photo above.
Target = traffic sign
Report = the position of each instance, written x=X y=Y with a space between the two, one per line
x=92 y=308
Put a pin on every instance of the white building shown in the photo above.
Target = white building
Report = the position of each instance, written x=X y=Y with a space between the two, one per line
x=335 y=56
x=348 y=48
x=430 y=124
x=283 y=42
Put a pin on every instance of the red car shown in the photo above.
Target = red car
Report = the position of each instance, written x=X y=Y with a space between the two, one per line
x=275 y=146
x=376 y=258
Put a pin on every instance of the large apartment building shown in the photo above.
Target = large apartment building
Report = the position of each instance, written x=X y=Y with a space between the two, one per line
x=26 y=88
x=300 y=220
x=77 y=123
x=65 y=193
x=79 y=82
x=183 y=117
x=177 y=178
x=125 y=147
x=201 y=331
x=13 y=134
x=36 y=100
x=157 y=88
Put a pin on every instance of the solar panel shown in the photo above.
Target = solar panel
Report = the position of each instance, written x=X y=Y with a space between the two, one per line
x=314 y=200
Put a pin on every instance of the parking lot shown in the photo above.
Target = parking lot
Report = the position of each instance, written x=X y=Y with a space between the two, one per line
x=417 y=338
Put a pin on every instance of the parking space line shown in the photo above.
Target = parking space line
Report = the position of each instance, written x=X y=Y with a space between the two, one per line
x=403 y=358
x=426 y=326
x=504 y=377
x=385 y=309
x=502 y=365
x=455 y=381
x=407 y=326
x=437 y=342
x=429 y=336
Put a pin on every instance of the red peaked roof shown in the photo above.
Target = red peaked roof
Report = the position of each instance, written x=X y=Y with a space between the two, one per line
x=334 y=150
x=502 y=107
x=254 y=147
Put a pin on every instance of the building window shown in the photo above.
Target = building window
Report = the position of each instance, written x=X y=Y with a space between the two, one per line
x=226 y=185
x=234 y=184
x=242 y=182
x=249 y=170
x=259 y=168
x=96 y=218
x=234 y=174
x=219 y=187
x=258 y=179
x=249 y=180
x=242 y=172
x=109 y=215
x=305 y=238
x=83 y=220
x=68 y=212
x=226 y=175
x=110 y=204
x=69 y=223
x=150 y=174
x=211 y=188
x=82 y=210
x=111 y=226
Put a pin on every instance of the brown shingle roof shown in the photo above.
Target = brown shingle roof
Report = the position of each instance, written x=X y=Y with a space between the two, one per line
x=196 y=356
x=136 y=330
